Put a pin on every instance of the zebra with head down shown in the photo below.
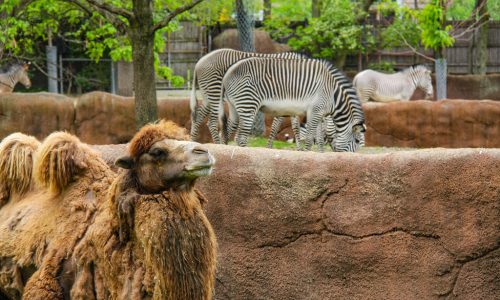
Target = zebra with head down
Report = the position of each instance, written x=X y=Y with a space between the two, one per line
x=207 y=76
x=296 y=87
x=399 y=86
x=17 y=73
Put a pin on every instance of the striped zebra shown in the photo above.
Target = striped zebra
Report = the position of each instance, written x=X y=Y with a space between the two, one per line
x=399 y=86
x=207 y=75
x=291 y=87
x=17 y=73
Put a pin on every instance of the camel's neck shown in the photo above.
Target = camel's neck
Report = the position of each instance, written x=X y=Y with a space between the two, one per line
x=179 y=244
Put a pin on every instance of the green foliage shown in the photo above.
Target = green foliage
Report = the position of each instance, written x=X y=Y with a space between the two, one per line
x=494 y=9
x=24 y=30
x=404 y=28
x=336 y=32
x=460 y=10
x=384 y=66
x=434 y=34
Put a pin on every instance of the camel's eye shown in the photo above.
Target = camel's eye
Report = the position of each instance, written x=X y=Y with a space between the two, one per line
x=158 y=153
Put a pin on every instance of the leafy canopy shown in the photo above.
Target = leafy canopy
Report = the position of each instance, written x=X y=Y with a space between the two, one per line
x=336 y=32
x=25 y=27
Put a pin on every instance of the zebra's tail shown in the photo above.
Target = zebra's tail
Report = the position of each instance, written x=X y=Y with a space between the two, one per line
x=193 y=102
x=222 y=117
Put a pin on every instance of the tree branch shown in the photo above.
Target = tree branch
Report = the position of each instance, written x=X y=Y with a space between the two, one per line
x=110 y=16
x=174 y=13
x=111 y=9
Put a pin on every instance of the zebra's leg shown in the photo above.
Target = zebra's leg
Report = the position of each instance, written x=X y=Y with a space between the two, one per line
x=277 y=121
x=230 y=124
x=320 y=137
x=213 y=118
x=314 y=117
x=245 y=129
x=201 y=114
x=296 y=131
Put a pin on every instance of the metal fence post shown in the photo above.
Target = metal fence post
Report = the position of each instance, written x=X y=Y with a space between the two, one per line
x=51 y=52
x=441 y=74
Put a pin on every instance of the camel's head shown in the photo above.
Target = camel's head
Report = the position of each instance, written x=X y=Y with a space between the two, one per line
x=161 y=158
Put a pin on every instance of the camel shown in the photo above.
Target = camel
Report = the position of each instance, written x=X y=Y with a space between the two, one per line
x=87 y=232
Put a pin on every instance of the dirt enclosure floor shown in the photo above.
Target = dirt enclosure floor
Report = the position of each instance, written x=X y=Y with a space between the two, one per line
x=415 y=224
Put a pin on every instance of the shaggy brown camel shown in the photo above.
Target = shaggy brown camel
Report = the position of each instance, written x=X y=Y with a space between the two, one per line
x=92 y=234
x=16 y=165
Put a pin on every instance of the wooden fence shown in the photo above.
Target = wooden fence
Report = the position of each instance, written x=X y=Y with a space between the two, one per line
x=460 y=57
x=184 y=48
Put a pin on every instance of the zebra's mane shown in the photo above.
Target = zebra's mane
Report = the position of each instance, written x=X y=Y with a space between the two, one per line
x=414 y=67
x=13 y=68
x=337 y=74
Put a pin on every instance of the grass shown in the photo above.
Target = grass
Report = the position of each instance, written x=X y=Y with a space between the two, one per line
x=262 y=142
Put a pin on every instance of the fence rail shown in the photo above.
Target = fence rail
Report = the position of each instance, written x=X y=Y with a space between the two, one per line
x=460 y=56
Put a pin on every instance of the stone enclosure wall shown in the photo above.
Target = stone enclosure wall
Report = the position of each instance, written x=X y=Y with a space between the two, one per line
x=420 y=224
x=102 y=118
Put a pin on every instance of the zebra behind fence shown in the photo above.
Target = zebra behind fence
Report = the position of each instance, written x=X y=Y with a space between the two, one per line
x=207 y=75
x=294 y=87
x=17 y=73
x=399 y=86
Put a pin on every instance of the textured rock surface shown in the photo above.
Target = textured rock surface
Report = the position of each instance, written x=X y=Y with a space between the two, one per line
x=102 y=118
x=447 y=123
x=403 y=225
x=262 y=40
x=37 y=114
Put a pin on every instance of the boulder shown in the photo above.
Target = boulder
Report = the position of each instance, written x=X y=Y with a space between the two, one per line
x=262 y=41
x=419 y=224
x=403 y=225
x=423 y=124
x=37 y=114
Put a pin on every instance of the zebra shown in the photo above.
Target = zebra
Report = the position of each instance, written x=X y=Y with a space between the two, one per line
x=17 y=73
x=393 y=87
x=207 y=75
x=291 y=87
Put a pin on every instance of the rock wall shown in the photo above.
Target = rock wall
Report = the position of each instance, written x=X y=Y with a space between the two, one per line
x=262 y=40
x=403 y=225
x=102 y=118
x=422 y=124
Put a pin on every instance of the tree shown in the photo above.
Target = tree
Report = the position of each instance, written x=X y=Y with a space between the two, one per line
x=339 y=31
x=129 y=29
x=138 y=23
x=480 y=14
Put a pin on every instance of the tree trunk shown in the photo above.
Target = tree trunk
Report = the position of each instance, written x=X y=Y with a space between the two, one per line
x=481 y=38
x=267 y=9
x=245 y=24
x=316 y=6
x=142 y=40
x=340 y=60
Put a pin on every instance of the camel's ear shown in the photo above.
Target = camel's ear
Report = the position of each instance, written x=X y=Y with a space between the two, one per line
x=125 y=162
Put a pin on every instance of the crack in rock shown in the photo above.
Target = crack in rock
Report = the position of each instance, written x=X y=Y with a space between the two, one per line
x=290 y=240
x=461 y=262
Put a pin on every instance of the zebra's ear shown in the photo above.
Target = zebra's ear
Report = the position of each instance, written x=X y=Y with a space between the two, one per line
x=359 y=128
